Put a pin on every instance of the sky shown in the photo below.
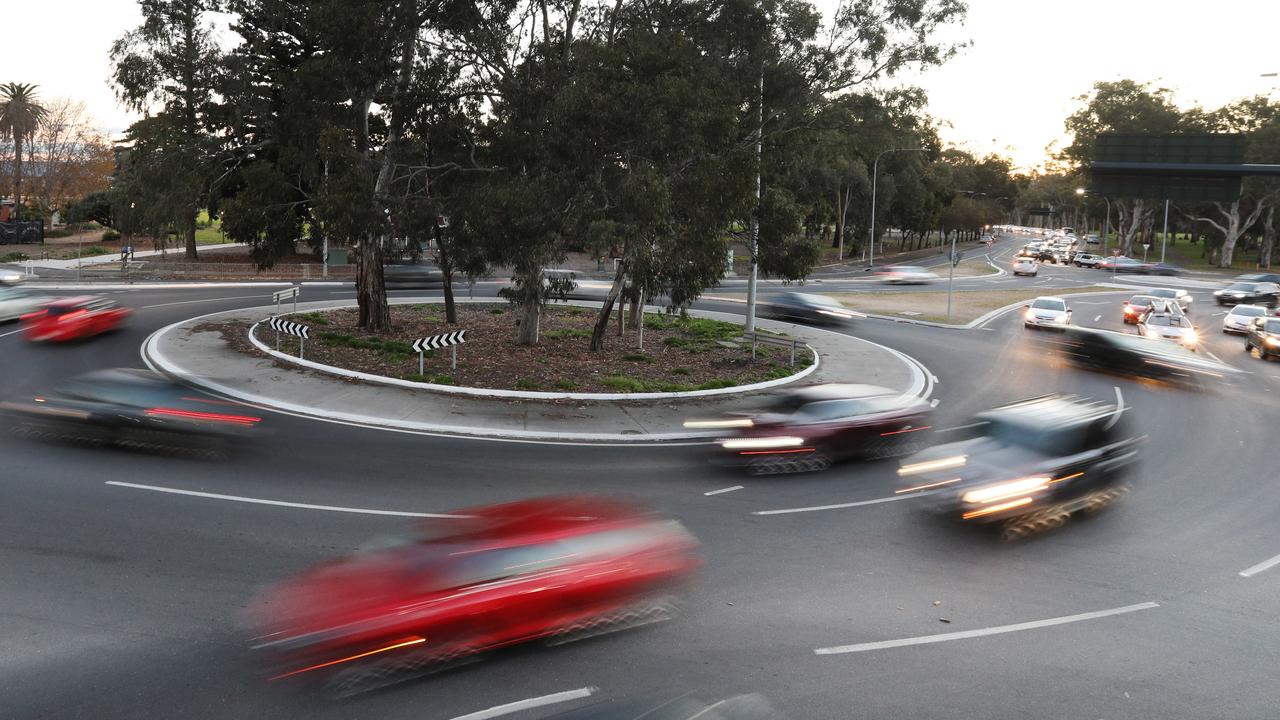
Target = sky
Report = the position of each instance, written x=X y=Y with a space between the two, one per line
x=1008 y=93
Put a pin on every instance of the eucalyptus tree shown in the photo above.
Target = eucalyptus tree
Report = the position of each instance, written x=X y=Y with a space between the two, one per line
x=168 y=68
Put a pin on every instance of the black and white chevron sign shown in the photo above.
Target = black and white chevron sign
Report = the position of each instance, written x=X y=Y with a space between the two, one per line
x=439 y=341
x=289 y=328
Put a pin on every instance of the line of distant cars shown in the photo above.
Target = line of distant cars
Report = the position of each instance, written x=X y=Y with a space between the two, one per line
x=1064 y=248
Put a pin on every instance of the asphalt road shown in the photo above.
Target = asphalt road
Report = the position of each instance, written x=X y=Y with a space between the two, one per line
x=124 y=603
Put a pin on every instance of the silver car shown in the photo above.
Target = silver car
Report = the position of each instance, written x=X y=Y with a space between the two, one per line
x=1182 y=297
x=1170 y=326
x=1238 y=319
x=1047 y=312
x=17 y=301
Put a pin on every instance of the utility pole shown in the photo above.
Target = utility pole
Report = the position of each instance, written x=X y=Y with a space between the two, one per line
x=951 y=276
x=750 y=325
x=875 y=175
x=1164 y=238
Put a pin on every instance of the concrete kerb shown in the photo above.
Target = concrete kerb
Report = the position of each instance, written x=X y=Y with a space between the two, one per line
x=921 y=385
x=528 y=394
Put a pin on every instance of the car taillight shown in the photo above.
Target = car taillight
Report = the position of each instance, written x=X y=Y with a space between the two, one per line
x=198 y=415
x=32 y=317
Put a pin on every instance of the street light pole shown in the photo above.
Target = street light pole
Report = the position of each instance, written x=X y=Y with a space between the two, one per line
x=875 y=175
x=1164 y=238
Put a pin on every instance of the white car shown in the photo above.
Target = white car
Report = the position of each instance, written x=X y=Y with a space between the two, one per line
x=1182 y=297
x=1047 y=312
x=16 y=302
x=906 y=274
x=1238 y=319
x=1026 y=266
x=1170 y=326
x=1088 y=260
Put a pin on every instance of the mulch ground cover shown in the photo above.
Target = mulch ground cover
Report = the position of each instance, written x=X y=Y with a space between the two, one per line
x=678 y=354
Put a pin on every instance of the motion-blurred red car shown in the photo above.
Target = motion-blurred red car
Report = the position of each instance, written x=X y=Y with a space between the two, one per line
x=557 y=568
x=811 y=427
x=73 y=318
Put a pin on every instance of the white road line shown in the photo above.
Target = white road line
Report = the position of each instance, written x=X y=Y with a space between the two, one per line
x=841 y=506
x=1000 y=629
x=278 y=503
x=189 y=302
x=960 y=427
x=1264 y=565
x=722 y=490
x=1097 y=318
x=935 y=379
x=528 y=704
x=934 y=402
x=1215 y=357
x=1224 y=312
x=12 y=332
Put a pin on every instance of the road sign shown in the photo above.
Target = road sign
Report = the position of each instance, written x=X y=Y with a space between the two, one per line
x=302 y=332
x=450 y=340
x=289 y=292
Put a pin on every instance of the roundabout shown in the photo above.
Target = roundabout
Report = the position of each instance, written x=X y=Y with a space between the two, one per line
x=127 y=573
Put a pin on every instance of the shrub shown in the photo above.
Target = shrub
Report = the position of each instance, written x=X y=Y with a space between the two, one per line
x=637 y=357
x=110 y=236
x=95 y=250
x=14 y=257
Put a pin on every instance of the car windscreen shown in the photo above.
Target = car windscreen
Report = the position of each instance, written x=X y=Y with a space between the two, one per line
x=807 y=299
x=1248 y=311
x=1046 y=304
x=1168 y=321
x=1049 y=439
x=56 y=310
x=1242 y=287
x=1141 y=300
x=1272 y=326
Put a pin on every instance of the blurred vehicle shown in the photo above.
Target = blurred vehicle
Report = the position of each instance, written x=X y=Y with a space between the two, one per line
x=1123 y=264
x=557 y=569
x=1170 y=326
x=1028 y=466
x=1029 y=250
x=18 y=301
x=1026 y=266
x=1046 y=312
x=413 y=275
x=683 y=707
x=131 y=408
x=809 y=428
x=810 y=308
x=1091 y=240
x=1240 y=317
x=1046 y=254
x=1136 y=307
x=11 y=277
x=906 y=275
x=1181 y=297
x=1262 y=339
x=1063 y=256
x=1258 y=277
x=1138 y=356
x=74 y=318
x=1248 y=293
x=1088 y=260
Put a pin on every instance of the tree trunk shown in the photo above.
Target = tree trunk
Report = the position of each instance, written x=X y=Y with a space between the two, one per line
x=1268 y=238
x=17 y=174
x=371 y=287
x=839 y=233
x=530 y=315
x=602 y=320
x=189 y=232
x=637 y=310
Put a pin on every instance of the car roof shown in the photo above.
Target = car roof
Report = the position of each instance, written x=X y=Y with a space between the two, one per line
x=74 y=301
x=839 y=391
x=1051 y=297
x=557 y=514
x=1049 y=410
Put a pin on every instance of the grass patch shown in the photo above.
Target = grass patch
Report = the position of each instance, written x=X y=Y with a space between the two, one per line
x=566 y=384
x=386 y=347
x=527 y=384
x=315 y=318
x=14 y=257
x=680 y=371
x=566 y=333
x=93 y=250
x=637 y=357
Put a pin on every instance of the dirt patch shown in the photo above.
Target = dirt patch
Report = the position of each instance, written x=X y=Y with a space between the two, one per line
x=932 y=306
x=679 y=355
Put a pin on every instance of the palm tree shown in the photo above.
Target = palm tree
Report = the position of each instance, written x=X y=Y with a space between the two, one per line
x=20 y=115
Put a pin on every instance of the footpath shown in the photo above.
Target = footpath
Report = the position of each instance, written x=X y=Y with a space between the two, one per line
x=202 y=358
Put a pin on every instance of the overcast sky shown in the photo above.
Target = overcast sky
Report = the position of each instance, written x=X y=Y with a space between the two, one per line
x=1008 y=93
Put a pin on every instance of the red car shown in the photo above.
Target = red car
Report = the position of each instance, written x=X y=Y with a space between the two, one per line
x=74 y=318
x=811 y=427
x=557 y=568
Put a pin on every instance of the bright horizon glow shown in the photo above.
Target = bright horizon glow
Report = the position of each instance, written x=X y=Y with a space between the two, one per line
x=1008 y=93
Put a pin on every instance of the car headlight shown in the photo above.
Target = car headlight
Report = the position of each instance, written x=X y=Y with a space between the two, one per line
x=716 y=424
x=1273 y=341
x=946 y=463
x=1029 y=315
x=835 y=313
x=762 y=443
x=1190 y=337
x=1151 y=332
x=1005 y=490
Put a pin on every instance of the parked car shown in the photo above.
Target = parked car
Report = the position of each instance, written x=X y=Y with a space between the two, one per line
x=74 y=318
x=1088 y=260
x=1170 y=326
x=1262 y=339
x=555 y=569
x=18 y=301
x=1248 y=293
x=906 y=275
x=1025 y=266
x=1047 y=312
x=811 y=427
x=810 y=308
x=1240 y=317
x=1091 y=240
x=1182 y=297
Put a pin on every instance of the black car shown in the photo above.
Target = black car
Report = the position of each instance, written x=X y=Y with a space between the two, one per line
x=1248 y=293
x=1263 y=338
x=413 y=275
x=1258 y=277
x=1028 y=466
x=1137 y=356
x=131 y=408
x=809 y=308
